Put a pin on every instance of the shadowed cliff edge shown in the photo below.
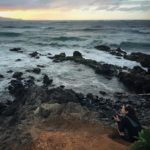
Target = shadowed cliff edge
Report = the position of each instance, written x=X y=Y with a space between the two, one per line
x=55 y=118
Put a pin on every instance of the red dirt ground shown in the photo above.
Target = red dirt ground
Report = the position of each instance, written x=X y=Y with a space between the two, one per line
x=74 y=135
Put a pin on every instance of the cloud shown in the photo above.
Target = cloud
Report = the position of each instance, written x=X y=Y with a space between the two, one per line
x=110 y=5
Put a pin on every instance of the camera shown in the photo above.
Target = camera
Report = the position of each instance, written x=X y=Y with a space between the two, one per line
x=117 y=114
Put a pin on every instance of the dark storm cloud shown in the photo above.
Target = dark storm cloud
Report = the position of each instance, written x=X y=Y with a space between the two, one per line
x=122 y=5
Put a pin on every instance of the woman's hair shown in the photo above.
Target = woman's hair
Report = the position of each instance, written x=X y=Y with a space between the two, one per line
x=131 y=111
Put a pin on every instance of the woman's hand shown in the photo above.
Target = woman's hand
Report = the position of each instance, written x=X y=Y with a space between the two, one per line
x=116 y=118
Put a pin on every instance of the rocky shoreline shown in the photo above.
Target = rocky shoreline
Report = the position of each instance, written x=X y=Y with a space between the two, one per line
x=33 y=103
x=136 y=79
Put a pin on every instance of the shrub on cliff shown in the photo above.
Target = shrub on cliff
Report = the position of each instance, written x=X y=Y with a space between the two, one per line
x=143 y=142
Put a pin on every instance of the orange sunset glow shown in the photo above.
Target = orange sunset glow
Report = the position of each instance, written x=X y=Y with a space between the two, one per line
x=69 y=10
x=56 y=14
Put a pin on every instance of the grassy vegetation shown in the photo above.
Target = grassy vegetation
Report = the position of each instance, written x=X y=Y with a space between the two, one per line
x=143 y=142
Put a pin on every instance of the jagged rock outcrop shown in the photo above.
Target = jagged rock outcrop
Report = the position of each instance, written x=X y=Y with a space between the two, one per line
x=17 y=49
x=116 y=52
x=143 y=59
x=100 y=68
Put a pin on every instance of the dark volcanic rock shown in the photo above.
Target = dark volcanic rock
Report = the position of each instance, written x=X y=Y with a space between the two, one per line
x=41 y=66
x=138 y=69
x=59 y=95
x=24 y=112
x=37 y=70
x=37 y=57
x=77 y=54
x=100 y=68
x=59 y=58
x=9 y=71
x=117 y=52
x=62 y=86
x=90 y=96
x=140 y=83
x=103 y=48
x=18 y=60
x=142 y=58
x=17 y=75
x=2 y=107
x=16 y=50
x=47 y=81
x=1 y=76
x=16 y=88
x=102 y=92
x=106 y=69
x=34 y=54
x=148 y=71
x=29 y=81
x=137 y=80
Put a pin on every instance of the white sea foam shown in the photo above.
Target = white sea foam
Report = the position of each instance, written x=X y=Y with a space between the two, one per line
x=53 y=37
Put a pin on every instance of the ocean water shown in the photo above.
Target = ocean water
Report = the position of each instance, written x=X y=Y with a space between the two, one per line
x=67 y=36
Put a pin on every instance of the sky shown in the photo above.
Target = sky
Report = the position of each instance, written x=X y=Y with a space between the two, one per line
x=75 y=9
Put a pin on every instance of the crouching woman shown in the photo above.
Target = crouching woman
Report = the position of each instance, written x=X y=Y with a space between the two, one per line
x=128 y=124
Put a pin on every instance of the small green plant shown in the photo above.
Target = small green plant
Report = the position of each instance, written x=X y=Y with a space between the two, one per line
x=143 y=142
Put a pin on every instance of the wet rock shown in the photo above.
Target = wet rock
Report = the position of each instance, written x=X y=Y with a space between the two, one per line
x=77 y=54
x=31 y=77
x=9 y=71
x=2 y=107
x=35 y=95
x=89 y=96
x=18 y=60
x=118 y=57
x=29 y=81
x=62 y=86
x=103 y=48
x=36 y=70
x=138 y=69
x=106 y=69
x=38 y=80
x=117 y=52
x=102 y=92
x=142 y=58
x=100 y=68
x=28 y=70
x=37 y=57
x=41 y=66
x=60 y=57
x=50 y=57
x=135 y=81
x=17 y=75
x=47 y=81
x=16 y=50
x=59 y=95
x=1 y=76
x=125 y=68
x=34 y=54
x=10 y=111
x=119 y=94
x=16 y=88
x=80 y=96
